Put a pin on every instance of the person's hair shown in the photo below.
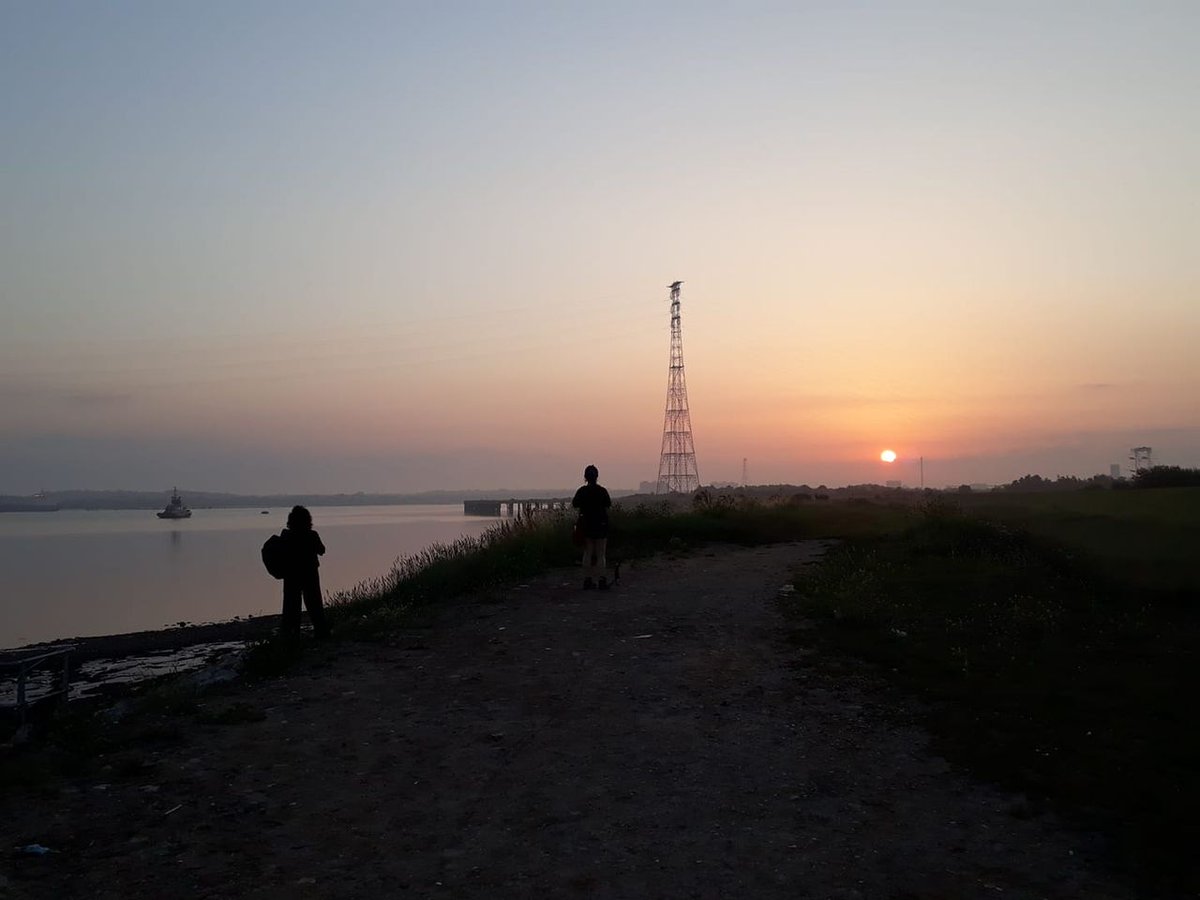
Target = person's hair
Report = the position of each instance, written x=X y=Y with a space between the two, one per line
x=299 y=517
x=590 y=474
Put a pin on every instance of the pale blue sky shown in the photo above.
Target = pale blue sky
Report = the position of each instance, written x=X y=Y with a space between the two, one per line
x=277 y=246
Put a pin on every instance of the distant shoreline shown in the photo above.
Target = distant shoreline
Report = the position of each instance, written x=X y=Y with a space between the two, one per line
x=54 y=501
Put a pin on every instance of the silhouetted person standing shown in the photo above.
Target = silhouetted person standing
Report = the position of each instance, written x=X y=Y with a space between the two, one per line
x=302 y=578
x=593 y=502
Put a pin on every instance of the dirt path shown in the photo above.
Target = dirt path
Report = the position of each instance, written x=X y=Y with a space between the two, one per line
x=659 y=740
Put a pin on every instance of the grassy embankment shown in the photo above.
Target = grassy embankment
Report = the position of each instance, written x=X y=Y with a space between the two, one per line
x=1052 y=639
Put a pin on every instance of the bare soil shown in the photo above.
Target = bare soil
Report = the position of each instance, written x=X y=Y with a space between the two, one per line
x=662 y=739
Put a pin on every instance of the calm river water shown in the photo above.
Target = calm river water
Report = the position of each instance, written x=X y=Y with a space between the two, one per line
x=76 y=573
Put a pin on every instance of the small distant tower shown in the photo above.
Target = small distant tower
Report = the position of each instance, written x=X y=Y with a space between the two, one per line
x=1114 y=471
x=677 y=463
x=1142 y=458
x=744 y=482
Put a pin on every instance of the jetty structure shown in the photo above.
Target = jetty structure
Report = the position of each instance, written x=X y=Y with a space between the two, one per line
x=513 y=507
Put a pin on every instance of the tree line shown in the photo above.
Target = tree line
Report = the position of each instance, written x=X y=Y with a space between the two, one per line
x=1153 y=477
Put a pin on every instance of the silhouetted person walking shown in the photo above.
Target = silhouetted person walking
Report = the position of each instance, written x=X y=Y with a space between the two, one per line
x=593 y=502
x=302 y=578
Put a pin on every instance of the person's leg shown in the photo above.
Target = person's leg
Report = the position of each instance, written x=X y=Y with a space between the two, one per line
x=289 y=622
x=316 y=609
x=601 y=562
x=589 y=556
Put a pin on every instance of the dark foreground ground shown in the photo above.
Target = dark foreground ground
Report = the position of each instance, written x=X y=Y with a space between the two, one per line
x=663 y=739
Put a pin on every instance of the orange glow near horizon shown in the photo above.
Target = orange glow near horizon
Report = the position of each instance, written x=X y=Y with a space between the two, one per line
x=888 y=456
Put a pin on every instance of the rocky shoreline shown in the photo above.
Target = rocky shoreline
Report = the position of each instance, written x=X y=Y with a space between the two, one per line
x=107 y=664
x=108 y=646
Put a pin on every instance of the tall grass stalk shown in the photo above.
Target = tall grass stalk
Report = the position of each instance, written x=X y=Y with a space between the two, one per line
x=510 y=550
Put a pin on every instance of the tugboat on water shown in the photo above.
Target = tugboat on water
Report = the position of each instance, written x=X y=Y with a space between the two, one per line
x=175 y=509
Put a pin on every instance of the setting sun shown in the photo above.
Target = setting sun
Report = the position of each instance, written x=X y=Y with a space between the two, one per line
x=888 y=455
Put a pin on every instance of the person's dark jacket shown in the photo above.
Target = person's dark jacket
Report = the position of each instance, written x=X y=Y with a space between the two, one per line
x=593 y=502
x=303 y=548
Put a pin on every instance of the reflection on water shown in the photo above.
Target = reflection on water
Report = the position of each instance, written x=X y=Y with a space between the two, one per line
x=76 y=573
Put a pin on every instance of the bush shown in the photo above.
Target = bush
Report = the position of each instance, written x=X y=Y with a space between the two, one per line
x=1166 y=476
x=1033 y=668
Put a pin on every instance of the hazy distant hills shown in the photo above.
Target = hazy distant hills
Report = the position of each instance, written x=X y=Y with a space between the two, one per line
x=216 y=500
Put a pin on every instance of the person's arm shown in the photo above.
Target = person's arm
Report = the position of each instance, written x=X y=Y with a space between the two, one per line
x=607 y=499
x=576 y=502
x=320 y=546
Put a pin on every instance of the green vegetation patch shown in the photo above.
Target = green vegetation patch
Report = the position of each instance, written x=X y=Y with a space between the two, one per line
x=733 y=518
x=1036 y=668
x=1146 y=539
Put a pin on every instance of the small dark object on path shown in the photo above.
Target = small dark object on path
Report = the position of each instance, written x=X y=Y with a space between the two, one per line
x=34 y=850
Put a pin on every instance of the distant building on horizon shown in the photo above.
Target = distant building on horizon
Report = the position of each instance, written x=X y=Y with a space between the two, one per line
x=1114 y=470
x=647 y=487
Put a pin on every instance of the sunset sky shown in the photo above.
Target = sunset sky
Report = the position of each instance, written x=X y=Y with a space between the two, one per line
x=288 y=246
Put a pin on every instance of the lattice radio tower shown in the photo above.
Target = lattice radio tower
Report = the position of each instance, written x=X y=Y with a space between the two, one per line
x=677 y=464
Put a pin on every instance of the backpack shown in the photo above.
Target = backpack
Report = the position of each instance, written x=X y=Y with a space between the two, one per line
x=274 y=556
